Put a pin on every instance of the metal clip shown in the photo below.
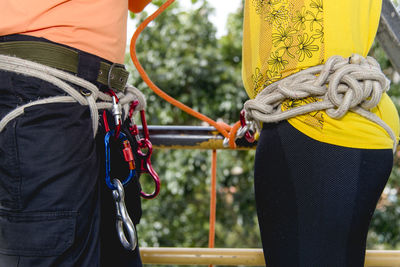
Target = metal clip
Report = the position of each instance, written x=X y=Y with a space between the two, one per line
x=123 y=219
x=246 y=130
x=127 y=155
x=116 y=111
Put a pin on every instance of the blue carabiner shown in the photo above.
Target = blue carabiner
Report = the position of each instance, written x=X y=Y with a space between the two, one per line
x=132 y=171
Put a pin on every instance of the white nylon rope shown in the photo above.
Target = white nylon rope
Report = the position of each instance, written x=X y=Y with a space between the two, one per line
x=60 y=79
x=354 y=84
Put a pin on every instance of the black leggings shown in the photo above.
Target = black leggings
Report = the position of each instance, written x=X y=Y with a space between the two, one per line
x=315 y=200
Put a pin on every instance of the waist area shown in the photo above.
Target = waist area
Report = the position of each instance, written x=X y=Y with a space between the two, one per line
x=101 y=72
x=352 y=130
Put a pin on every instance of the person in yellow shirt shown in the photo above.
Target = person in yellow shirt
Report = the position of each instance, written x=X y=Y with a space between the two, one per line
x=317 y=178
x=55 y=209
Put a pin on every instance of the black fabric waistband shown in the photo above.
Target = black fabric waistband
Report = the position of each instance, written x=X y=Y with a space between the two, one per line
x=85 y=65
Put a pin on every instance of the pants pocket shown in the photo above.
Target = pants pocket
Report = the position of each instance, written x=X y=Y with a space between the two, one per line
x=10 y=177
x=36 y=233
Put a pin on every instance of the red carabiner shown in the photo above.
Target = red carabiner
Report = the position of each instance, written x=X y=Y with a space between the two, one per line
x=146 y=167
x=144 y=157
x=144 y=124
x=132 y=107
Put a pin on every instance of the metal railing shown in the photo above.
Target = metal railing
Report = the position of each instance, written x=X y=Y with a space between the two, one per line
x=244 y=257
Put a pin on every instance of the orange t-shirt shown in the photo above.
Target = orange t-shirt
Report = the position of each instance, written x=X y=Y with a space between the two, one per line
x=97 y=27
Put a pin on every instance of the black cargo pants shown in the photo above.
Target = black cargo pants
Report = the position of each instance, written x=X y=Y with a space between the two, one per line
x=55 y=209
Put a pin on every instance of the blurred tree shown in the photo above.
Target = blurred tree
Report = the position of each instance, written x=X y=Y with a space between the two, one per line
x=183 y=56
x=385 y=225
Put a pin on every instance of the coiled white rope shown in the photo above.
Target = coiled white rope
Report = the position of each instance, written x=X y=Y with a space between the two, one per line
x=354 y=84
x=61 y=79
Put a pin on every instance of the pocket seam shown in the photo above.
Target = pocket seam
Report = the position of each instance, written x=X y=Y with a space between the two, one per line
x=48 y=248
x=15 y=190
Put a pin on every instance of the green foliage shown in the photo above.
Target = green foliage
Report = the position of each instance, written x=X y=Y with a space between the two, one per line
x=183 y=56
x=385 y=225
x=181 y=53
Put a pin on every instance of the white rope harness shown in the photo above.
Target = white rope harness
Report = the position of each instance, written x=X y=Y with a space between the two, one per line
x=354 y=84
x=61 y=79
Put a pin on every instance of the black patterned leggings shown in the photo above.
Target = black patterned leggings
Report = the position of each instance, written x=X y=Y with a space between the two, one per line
x=315 y=200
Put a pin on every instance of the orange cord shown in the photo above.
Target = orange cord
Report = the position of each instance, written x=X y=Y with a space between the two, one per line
x=223 y=128
x=226 y=130
x=213 y=200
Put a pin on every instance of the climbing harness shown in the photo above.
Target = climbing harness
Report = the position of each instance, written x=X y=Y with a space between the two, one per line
x=354 y=84
x=94 y=98
x=119 y=103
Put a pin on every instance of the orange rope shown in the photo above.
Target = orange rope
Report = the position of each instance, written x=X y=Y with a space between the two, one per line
x=223 y=128
x=213 y=200
x=226 y=130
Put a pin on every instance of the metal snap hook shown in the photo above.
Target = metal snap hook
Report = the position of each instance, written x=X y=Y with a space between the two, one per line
x=123 y=219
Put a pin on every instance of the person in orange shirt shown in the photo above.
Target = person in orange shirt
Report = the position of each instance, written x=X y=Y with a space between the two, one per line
x=55 y=209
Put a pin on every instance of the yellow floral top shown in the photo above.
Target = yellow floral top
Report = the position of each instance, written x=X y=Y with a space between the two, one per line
x=281 y=37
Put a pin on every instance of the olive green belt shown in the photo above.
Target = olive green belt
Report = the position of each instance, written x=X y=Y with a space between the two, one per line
x=113 y=75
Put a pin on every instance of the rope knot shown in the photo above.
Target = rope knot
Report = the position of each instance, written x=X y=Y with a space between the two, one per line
x=355 y=84
x=359 y=82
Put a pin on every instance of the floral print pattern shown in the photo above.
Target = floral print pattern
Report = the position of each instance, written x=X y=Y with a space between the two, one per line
x=297 y=34
x=315 y=119
x=296 y=31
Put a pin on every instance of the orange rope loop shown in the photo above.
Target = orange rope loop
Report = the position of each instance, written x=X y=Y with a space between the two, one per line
x=223 y=128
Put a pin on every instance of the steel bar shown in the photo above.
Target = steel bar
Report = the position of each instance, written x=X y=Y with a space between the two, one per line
x=191 y=137
x=388 y=33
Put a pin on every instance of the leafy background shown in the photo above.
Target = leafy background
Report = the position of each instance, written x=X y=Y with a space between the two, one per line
x=182 y=55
